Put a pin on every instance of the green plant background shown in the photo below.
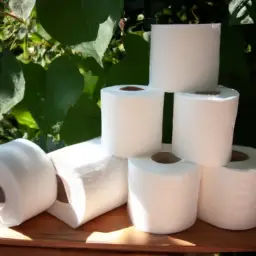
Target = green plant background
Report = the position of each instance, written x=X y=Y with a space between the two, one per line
x=56 y=55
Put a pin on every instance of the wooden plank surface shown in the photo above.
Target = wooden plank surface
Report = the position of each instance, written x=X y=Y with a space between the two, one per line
x=113 y=231
x=31 y=251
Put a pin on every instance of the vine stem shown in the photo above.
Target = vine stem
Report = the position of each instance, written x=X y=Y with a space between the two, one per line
x=43 y=39
x=12 y=16
x=25 y=47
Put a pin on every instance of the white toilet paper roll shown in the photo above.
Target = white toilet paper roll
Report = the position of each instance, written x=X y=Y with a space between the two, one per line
x=203 y=126
x=228 y=194
x=94 y=182
x=28 y=181
x=132 y=118
x=163 y=192
x=184 y=57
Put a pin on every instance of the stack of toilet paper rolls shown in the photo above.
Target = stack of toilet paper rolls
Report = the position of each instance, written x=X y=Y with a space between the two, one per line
x=167 y=186
x=204 y=117
x=163 y=186
x=200 y=174
x=162 y=189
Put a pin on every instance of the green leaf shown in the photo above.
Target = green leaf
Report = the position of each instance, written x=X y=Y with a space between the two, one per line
x=35 y=38
x=22 y=32
x=24 y=117
x=98 y=47
x=88 y=25
x=22 y=8
x=12 y=82
x=134 y=68
x=41 y=31
x=83 y=121
x=49 y=94
x=35 y=94
x=64 y=85
x=94 y=77
x=242 y=12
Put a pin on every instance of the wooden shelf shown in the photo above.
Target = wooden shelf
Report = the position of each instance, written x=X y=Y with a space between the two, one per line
x=114 y=232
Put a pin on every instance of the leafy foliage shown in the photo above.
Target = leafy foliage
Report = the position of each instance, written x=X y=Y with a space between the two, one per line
x=242 y=12
x=12 y=82
x=137 y=49
x=64 y=85
x=67 y=51
x=35 y=93
x=22 y=9
x=24 y=117
x=82 y=122
x=94 y=77
x=81 y=23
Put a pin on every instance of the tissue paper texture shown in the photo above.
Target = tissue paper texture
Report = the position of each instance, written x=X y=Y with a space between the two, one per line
x=203 y=126
x=184 y=57
x=94 y=182
x=227 y=194
x=162 y=197
x=131 y=120
x=28 y=181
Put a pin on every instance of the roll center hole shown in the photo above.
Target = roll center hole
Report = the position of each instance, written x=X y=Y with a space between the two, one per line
x=61 y=194
x=238 y=156
x=2 y=198
x=131 y=88
x=165 y=158
x=208 y=93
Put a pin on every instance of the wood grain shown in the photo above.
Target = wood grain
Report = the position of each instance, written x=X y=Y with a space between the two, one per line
x=113 y=231
x=31 y=251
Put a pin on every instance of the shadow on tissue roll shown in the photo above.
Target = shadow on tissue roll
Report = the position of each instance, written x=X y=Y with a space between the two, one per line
x=165 y=158
x=131 y=88
x=2 y=196
x=238 y=156
x=214 y=93
x=61 y=194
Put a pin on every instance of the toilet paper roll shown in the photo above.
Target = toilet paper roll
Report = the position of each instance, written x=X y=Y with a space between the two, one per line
x=184 y=57
x=27 y=180
x=163 y=192
x=132 y=118
x=227 y=194
x=91 y=182
x=203 y=126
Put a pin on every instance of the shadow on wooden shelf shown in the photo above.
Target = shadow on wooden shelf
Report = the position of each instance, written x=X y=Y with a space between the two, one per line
x=113 y=231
